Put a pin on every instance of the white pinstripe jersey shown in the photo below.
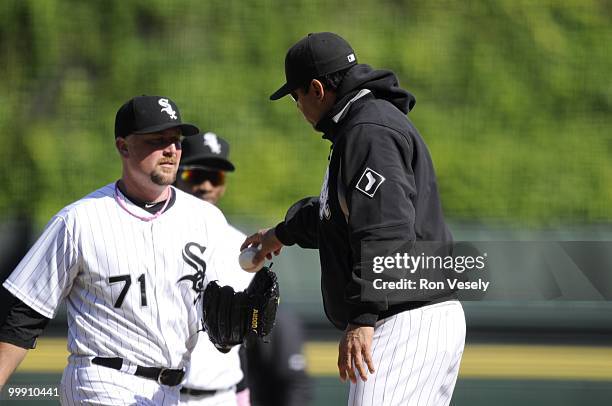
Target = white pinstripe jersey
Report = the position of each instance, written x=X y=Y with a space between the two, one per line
x=209 y=368
x=121 y=276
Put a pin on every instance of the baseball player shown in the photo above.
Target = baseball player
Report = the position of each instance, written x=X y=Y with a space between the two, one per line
x=379 y=186
x=213 y=378
x=131 y=260
x=204 y=164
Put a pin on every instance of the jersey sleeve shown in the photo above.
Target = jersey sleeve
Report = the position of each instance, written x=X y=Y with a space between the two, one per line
x=45 y=275
x=220 y=256
x=300 y=225
x=380 y=188
x=233 y=275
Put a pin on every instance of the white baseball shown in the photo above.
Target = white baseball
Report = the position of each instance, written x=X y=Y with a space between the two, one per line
x=246 y=260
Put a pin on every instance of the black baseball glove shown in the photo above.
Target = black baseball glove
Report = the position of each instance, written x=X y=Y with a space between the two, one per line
x=229 y=317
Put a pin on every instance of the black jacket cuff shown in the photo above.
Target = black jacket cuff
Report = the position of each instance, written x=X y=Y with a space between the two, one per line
x=283 y=234
x=363 y=316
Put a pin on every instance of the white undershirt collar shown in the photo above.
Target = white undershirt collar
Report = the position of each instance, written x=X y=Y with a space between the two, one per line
x=359 y=95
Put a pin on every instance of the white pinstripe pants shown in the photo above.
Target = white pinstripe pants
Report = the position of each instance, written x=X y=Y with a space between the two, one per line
x=416 y=355
x=88 y=384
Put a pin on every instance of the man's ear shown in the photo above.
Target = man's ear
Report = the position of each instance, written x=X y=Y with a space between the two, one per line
x=122 y=146
x=318 y=89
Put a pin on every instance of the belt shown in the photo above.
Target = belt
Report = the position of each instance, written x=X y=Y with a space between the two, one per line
x=201 y=392
x=406 y=306
x=163 y=376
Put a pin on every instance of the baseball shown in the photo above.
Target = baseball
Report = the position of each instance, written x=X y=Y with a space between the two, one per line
x=246 y=260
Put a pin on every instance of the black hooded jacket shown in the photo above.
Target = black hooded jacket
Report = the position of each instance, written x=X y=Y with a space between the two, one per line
x=380 y=186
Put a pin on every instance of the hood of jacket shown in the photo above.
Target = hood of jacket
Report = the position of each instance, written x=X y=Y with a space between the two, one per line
x=381 y=82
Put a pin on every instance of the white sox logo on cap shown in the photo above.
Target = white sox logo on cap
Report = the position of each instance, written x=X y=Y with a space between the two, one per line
x=369 y=182
x=167 y=108
x=210 y=140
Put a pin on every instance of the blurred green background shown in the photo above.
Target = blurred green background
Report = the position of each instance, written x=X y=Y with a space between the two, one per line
x=514 y=99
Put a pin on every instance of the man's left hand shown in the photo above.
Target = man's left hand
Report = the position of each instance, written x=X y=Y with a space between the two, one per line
x=356 y=349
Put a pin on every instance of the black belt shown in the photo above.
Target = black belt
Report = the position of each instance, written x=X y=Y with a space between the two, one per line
x=163 y=376
x=201 y=392
x=402 y=307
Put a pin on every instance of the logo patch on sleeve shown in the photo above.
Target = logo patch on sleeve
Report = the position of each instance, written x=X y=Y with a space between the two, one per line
x=369 y=182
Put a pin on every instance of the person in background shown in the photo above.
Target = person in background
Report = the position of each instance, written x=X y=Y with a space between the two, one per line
x=202 y=172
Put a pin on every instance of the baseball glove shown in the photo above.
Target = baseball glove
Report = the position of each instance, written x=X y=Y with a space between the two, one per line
x=229 y=317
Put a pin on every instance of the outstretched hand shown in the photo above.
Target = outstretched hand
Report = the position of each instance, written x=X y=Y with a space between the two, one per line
x=356 y=349
x=266 y=241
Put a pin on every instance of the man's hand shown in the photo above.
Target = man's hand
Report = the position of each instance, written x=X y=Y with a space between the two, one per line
x=355 y=349
x=267 y=241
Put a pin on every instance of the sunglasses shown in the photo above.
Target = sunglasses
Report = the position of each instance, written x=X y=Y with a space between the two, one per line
x=197 y=176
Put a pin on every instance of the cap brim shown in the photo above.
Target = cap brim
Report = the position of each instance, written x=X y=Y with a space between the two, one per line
x=282 y=92
x=186 y=129
x=208 y=163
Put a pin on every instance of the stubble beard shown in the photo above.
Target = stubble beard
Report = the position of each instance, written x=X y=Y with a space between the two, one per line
x=163 y=178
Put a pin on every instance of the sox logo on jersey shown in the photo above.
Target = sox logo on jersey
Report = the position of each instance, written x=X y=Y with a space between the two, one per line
x=196 y=261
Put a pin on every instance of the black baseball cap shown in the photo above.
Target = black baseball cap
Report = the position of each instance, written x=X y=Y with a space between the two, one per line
x=150 y=114
x=313 y=56
x=206 y=151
